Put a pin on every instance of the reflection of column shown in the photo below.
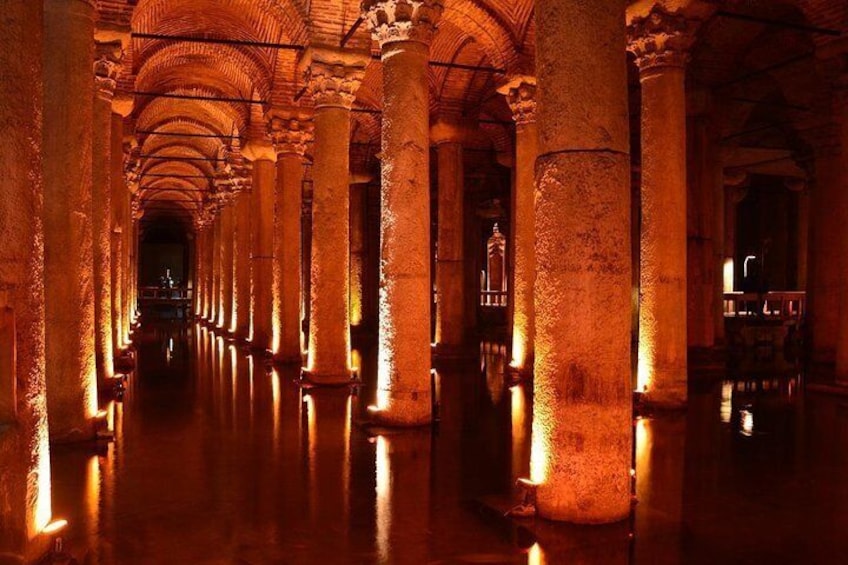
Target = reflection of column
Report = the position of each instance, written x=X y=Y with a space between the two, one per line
x=241 y=261
x=261 y=153
x=450 y=287
x=659 y=42
x=581 y=434
x=290 y=136
x=333 y=85
x=69 y=292
x=106 y=66
x=521 y=95
x=403 y=380
x=24 y=449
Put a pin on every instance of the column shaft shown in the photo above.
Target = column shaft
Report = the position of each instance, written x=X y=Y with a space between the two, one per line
x=241 y=263
x=101 y=226
x=582 y=414
x=662 y=320
x=216 y=270
x=329 y=320
x=24 y=447
x=225 y=317
x=357 y=254
x=839 y=209
x=69 y=291
x=287 y=258
x=403 y=382
x=450 y=287
x=262 y=257
x=117 y=221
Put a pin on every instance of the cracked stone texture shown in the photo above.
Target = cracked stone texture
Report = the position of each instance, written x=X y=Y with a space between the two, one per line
x=101 y=228
x=404 y=341
x=262 y=257
x=581 y=439
x=69 y=267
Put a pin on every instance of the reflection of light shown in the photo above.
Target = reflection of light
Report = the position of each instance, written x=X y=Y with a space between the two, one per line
x=728 y=275
x=536 y=556
x=55 y=526
x=726 y=401
x=747 y=422
x=92 y=494
x=382 y=469
x=643 y=368
x=42 y=495
x=539 y=448
x=275 y=400
x=644 y=445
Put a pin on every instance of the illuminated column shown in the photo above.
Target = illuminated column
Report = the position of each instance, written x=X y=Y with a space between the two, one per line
x=106 y=66
x=521 y=95
x=581 y=433
x=241 y=261
x=24 y=448
x=261 y=152
x=357 y=251
x=735 y=190
x=215 y=264
x=121 y=107
x=659 y=42
x=199 y=288
x=132 y=184
x=225 y=316
x=450 y=287
x=403 y=380
x=333 y=80
x=69 y=290
x=290 y=136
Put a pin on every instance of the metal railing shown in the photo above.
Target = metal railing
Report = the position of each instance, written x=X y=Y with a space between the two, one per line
x=155 y=294
x=783 y=305
x=493 y=298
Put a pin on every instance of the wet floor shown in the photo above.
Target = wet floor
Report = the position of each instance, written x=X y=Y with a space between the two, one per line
x=220 y=460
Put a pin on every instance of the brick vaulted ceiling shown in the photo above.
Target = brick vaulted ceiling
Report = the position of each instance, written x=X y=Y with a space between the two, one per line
x=495 y=36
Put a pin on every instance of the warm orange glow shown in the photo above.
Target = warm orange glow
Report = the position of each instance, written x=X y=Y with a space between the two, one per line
x=519 y=415
x=645 y=364
x=536 y=556
x=519 y=348
x=382 y=468
x=539 y=444
x=55 y=526
x=644 y=445
x=42 y=494
x=92 y=493
x=726 y=408
x=728 y=275
x=275 y=400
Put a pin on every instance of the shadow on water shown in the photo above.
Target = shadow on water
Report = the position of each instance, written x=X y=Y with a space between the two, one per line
x=220 y=459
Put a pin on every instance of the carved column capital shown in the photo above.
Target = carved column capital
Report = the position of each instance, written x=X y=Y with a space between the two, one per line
x=333 y=76
x=520 y=94
x=661 y=39
x=290 y=135
x=402 y=20
x=107 y=66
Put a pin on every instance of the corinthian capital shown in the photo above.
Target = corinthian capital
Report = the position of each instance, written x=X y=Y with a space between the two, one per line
x=107 y=66
x=290 y=134
x=661 y=39
x=520 y=94
x=402 y=20
x=333 y=76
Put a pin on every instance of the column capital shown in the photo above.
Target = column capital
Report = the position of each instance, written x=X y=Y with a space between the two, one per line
x=290 y=133
x=662 y=38
x=259 y=149
x=107 y=66
x=402 y=20
x=333 y=76
x=520 y=94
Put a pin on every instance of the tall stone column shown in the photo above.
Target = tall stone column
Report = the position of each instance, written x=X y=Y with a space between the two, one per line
x=290 y=135
x=69 y=266
x=131 y=178
x=582 y=411
x=839 y=208
x=660 y=43
x=241 y=262
x=404 y=32
x=215 y=264
x=24 y=447
x=106 y=66
x=263 y=156
x=333 y=79
x=450 y=264
x=735 y=190
x=121 y=107
x=199 y=270
x=225 y=316
x=521 y=96
x=357 y=252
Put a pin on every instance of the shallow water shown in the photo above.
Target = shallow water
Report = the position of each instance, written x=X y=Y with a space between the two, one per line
x=218 y=459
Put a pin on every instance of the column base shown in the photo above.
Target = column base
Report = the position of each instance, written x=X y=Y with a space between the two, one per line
x=322 y=378
x=76 y=435
x=403 y=412
x=288 y=359
x=653 y=402
x=448 y=351
x=518 y=375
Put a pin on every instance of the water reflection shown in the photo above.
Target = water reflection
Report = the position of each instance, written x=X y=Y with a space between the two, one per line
x=217 y=459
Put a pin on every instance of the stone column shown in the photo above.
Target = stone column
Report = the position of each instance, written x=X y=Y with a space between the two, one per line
x=106 y=66
x=69 y=267
x=450 y=287
x=241 y=263
x=659 y=42
x=215 y=267
x=127 y=243
x=582 y=412
x=290 y=135
x=357 y=252
x=839 y=209
x=403 y=380
x=199 y=269
x=24 y=448
x=333 y=80
x=521 y=96
x=121 y=107
x=263 y=156
x=225 y=316
x=735 y=190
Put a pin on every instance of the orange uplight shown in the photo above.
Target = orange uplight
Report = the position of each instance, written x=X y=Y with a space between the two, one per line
x=55 y=526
